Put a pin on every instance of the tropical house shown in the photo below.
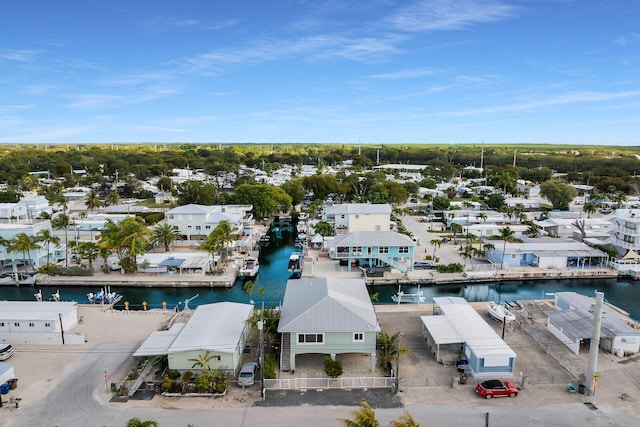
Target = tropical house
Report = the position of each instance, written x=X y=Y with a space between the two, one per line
x=350 y=217
x=196 y=222
x=35 y=257
x=572 y=323
x=218 y=331
x=329 y=316
x=457 y=330
x=39 y=322
x=373 y=249
x=578 y=228
x=626 y=230
x=546 y=252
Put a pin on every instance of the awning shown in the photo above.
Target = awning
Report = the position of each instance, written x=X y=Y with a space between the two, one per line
x=172 y=262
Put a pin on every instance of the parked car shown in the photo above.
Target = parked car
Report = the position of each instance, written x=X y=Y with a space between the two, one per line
x=424 y=265
x=496 y=388
x=247 y=374
x=6 y=352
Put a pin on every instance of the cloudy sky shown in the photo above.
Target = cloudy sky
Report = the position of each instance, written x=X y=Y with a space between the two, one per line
x=316 y=71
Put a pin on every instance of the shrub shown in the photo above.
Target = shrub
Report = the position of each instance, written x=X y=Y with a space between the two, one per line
x=333 y=368
x=203 y=383
x=450 y=268
x=270 y=365
x=153 y=218
x=173 y=374
x=166 y=384
x=219 y=382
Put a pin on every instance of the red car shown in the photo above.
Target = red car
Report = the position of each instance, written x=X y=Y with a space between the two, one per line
x=496 y=388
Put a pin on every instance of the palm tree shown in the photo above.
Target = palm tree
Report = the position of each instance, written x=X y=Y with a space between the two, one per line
x=590 y=208
x=112 y=199
x=363 y=417
x=89 y=251
x=62 y=222
x=248 y=288
x=436 y=243
x=405 y=420
x=390 y=348
x=92 y=200
x=165 y=234
x=136 y=422
x=506 y=233
x=202 y=361
x=25 y=244
x=47 y=237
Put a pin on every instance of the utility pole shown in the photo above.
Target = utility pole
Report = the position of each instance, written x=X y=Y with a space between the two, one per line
x=261 y=359
x=594 y=347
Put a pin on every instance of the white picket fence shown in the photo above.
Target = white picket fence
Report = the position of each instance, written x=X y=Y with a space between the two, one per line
x=329 y=383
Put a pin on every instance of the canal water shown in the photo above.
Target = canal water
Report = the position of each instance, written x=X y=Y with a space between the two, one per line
x=273 y=277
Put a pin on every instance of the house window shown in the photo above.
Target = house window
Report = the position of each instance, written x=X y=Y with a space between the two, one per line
x=198 y=227
x=403 y=249
x=358 y=337
x=170 y=216
x=384 y=249
x=207 y=227
x=188 y=226
x=310 y=338
x=47 y=325
x=16 y=324
x=2 y=324
x=357 y=216
x=357 y=250
x=31 y=324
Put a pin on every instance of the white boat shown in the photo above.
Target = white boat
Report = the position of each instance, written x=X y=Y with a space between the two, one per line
x=500 y=312
x=412 y=297
x=38 y=295
x=250 y=267
x=104 y=296
x=296 y=262
x=56 y=297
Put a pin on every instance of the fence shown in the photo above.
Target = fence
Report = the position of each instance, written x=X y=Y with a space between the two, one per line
x=329 y=383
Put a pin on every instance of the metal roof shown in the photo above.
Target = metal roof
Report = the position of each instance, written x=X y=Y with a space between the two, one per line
x=159 y=342
x=216 y=327
x=171 y=262
x=35 y=310
x=327 y=305
x=578 y=324
x=359 y=208
x=372 y=238
x=465 y=325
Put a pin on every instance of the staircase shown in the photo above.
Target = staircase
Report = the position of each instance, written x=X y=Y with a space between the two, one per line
x=393 y=263
x=285 y=353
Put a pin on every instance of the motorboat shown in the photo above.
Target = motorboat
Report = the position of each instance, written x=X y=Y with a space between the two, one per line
x=296 y=262
x=409 y=297
x=56 y=296
x=500 y=312
x=104 y=296
x=250 y=267
x=38 y=295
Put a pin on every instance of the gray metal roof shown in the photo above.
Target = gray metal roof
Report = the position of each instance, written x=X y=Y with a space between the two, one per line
x=216 y=327
x=579 y=324
x=327 y=305
x=372 y=238
x=359 y=208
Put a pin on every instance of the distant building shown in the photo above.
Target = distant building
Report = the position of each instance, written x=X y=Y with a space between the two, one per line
x=39 y=322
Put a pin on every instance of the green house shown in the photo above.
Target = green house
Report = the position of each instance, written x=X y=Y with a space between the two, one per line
x=326 y=316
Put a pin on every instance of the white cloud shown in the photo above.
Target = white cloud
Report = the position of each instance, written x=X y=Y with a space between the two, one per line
x=431 y=15
x=20 y=55
x=405 y=74
x=93 y=100
x=628 y=39
x=569 y=98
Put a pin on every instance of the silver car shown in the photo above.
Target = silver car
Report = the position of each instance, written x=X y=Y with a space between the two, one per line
x=247 y=374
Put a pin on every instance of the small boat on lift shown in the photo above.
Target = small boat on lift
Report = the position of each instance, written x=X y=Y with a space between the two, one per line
x=296 y=262
x=104 y=296
x=56 y=297
x=250 y=267
x=38 y=295
x=411 y=297
x=499 y=312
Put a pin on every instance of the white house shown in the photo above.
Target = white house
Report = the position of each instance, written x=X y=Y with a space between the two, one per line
x=221 y=329
x=626 y=229
x=34 y=257
x=350 y=217
x=196 y=222
x=13 y=212
x=35 y=204
x=39 y=322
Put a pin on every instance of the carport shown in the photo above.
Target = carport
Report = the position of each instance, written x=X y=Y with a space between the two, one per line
x=438 y=331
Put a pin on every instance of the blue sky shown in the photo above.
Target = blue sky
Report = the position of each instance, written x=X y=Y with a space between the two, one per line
x=320 y=71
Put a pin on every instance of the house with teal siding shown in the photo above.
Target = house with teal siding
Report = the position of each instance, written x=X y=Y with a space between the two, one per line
x=373 y=249
x=329 y=316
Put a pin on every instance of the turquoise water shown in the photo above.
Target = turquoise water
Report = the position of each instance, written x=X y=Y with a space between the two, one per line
x=273 y=277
